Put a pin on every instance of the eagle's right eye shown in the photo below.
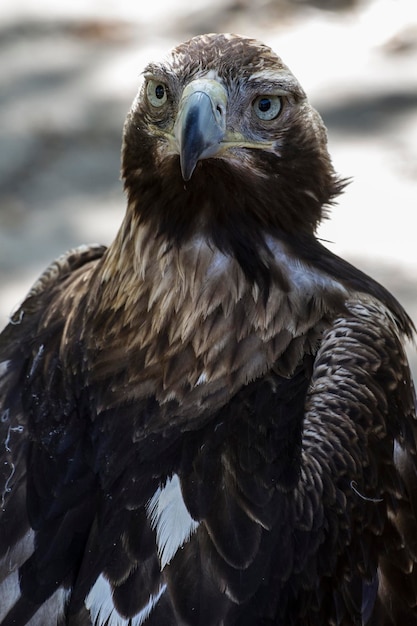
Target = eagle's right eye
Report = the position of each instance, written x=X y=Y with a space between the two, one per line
x=156 y=92
x=267 y=107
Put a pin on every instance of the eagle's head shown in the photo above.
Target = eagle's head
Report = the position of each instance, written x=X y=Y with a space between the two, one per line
x=221 y=139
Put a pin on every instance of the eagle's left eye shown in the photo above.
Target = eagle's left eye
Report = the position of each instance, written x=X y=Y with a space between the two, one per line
x=156 y=92
x=267 y=108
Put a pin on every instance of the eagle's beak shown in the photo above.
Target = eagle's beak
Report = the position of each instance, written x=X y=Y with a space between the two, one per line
x=201 y=123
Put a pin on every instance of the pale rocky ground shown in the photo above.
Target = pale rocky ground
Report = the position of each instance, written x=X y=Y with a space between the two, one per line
x=69 y=71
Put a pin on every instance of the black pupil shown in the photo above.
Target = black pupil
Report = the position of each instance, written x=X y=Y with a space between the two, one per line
x=159 y=91
x=264 y=104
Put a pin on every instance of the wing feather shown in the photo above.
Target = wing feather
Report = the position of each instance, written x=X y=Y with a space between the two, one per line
x=41 y=489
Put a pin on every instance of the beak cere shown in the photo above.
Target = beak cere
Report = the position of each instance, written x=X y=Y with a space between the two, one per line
x=200 y=125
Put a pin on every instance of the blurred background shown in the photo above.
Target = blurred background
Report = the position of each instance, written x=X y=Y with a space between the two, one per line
x=69 y=71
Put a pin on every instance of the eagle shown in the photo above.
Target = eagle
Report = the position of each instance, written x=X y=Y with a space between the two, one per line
x=212 y=421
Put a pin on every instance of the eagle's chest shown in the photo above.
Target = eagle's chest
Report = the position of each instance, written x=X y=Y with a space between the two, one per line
x=203 y=329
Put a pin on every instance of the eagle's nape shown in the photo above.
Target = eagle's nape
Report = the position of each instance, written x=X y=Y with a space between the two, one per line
x=213 y=420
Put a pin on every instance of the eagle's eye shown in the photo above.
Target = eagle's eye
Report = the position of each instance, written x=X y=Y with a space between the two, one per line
x=267 y=108
x=156 y=92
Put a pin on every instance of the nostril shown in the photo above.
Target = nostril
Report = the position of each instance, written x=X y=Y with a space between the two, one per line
x=220 y=114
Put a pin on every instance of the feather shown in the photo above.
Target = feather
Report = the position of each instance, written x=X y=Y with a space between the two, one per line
x=170 y=519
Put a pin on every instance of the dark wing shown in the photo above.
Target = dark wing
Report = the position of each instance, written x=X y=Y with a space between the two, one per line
x=306 y=490
x=359 y=449
x=46 y=491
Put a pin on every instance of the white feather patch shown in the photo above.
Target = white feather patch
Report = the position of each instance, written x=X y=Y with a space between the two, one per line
x=16 y=555
x=9 y=572
x=4 y=365
x=203 y=378
x=103 y=612
x=9 y=593
x=170 y=519
x=52 y=610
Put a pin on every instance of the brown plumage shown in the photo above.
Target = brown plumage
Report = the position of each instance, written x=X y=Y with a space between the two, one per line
x=211 y=422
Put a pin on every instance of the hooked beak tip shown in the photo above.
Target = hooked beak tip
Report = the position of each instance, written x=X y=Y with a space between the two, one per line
x=200 y=125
